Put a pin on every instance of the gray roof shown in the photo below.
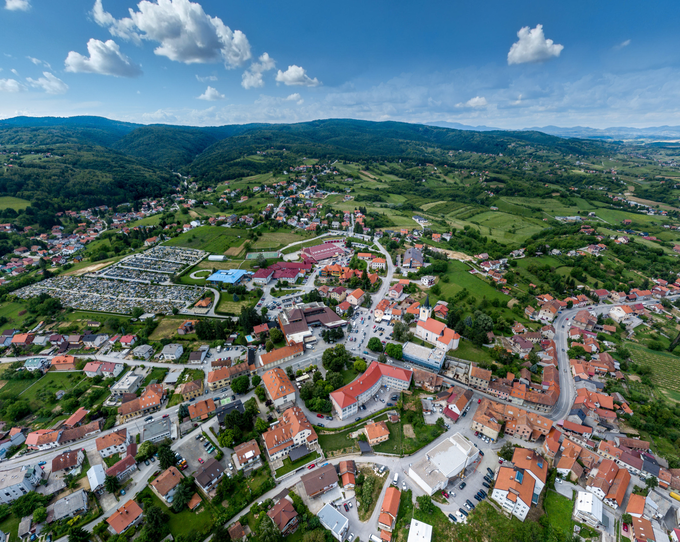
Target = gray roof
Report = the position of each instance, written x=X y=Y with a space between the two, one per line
x=333 y=520
x=171 y=348
x=25 y=526
x=68 y=506
x=207 y=473
x=96 y=476
x=156 y=428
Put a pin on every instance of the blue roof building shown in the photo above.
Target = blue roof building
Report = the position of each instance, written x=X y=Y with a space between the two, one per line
x=228 y=276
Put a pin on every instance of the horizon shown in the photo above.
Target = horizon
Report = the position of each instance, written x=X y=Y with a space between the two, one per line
x=208 y=63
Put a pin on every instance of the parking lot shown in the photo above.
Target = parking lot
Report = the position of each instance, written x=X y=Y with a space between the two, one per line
x=193 y=449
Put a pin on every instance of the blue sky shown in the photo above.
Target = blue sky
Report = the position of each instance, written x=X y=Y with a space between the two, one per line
x=494 y=63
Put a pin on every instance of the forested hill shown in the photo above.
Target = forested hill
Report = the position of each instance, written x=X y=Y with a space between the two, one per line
x=104 y=161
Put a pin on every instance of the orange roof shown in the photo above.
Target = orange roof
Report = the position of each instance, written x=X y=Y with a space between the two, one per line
x=376 y=430
x=122 y=518
x=515 y=485
x=201 y=409
x=414 y=309
x=636 y=504
x=277 y=383
x=347 y=394
x=281 y=353
x=390 y=503
x=356 y=294
x=166 y=481
x=63 y=360
x=117 y=438
x=531 y=461
x=205 y=302
x=291 y=422
x=194 y=502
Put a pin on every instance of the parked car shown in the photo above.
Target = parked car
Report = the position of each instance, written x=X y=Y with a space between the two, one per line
x=486 y=485
x=311 y=466
x=453 y=518
x=319 y=416
x=462 y=485
x=346 y=508
x=462 y=511
x=489 y=471
x=200 y=461
x=445 y=494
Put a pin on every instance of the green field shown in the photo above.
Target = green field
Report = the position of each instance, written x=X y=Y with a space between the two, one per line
x=51 y=382
x=460 y=277
x=210 y=238
x=11 y=311
x=335 y=442
x=8 y=202
x=665 y=366
x=289 y=466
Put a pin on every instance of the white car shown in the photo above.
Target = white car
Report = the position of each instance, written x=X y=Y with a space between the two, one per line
x=350 y=537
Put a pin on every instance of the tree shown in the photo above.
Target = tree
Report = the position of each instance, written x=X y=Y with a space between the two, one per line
x=651 y=482
x=335 y=359
x=183 y=494
x=156 y=527
x=359 y=365
x=507 y=451
x=425 y=504
x=241 y=384
x=111 y=483
x=166 y=457
x=78 y=534
x=39 y=515
x=269 y=346
x=382 y=358
x=261 y=425
x=627 y=518
x=375 y=345
x=146 y=450
x=267 y=531
x=182 y=412
x=27 y=504
x=255 y=380
x=137 y=312
x=275 y=335
x=220 y=534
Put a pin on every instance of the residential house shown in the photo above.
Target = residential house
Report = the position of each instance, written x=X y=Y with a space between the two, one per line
x=113 y=443
x=128 y=515
x=389 y=509
x=280 y=390
x=284 y=516
x=377 y=432
x=165 y=484
x=292 y=430
x=209 y=474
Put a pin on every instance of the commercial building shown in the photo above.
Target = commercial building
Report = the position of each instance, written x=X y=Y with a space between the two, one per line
x=296 y=323
x=334 y=521
x=346 y=400
x=324 y=251
x=279 y=356
x=227 y=276
x=443 y=463
x=279 y=388
x=157 y=430
x=430 y=358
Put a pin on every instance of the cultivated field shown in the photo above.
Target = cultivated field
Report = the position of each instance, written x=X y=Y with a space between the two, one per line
x=665 y=366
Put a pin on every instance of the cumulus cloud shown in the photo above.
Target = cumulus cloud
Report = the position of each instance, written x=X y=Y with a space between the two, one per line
x=10 y=85
x=49 y=83
x=622 y=45
x=105 y=58
x=252 y=77
x=17 y=5
x=183 y=30
x=206 y=78
x=296 y=76
x=211 y=95
x=533 y=46
x=477 y=101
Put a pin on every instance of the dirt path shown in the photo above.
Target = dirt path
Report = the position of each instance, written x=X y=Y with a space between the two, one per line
x=89 y=269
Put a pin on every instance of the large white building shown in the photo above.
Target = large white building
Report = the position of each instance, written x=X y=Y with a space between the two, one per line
x=16 y=482
x=419 y=531
x=443 y=463
x=346 y=400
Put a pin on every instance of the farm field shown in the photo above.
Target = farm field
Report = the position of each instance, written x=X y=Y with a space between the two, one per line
x=209 y=238
x=275 y=240
x=11 y=311
x=504 y=227
x=9 y=202
x=665 y=366
x=167 y=328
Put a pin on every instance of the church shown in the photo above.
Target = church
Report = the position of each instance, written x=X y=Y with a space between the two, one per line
x=433 y=331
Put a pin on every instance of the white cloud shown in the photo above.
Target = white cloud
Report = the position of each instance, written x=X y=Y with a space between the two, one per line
x=10 y=85
x=477 y=101
x=207 y=78
x=184 y=31
x=211 y=95
x=39 y=62
x=533 y=46
x=296 y=76
x=622 y=45
x=105 y=58
x=17 y=5
x=252 y=77
x=49 y=83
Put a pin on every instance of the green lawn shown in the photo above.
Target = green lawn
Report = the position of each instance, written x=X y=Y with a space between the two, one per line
x=11 y=527
x=157 y=374
x=289 y=466
x=51 y=382
x=460 y=277
x=333 y=442
x=210 y=238
x=467 y=350
x=11 y=311
x=558 y=510
x=186 y=522
x=18 y=204
x=400 y=444
x=394 y=444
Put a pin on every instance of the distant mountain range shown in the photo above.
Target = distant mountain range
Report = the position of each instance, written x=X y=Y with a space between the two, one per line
x=616 y=133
